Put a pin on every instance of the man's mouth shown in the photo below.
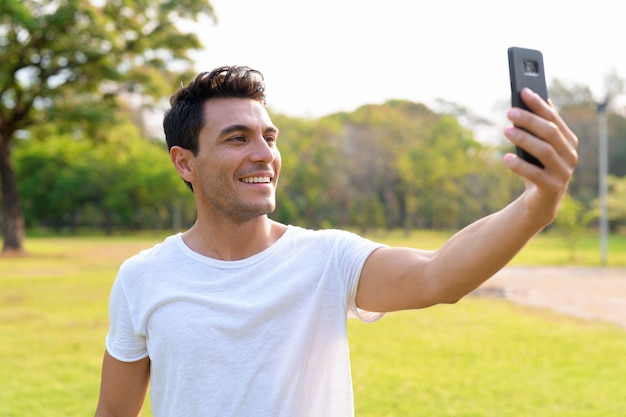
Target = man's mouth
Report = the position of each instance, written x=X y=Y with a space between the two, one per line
x=257 y=180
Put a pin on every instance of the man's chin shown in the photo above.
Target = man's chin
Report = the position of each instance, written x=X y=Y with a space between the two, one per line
x=256 y=212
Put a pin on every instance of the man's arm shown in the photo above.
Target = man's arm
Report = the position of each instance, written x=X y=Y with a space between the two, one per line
x=123 y=387
x=403 y=278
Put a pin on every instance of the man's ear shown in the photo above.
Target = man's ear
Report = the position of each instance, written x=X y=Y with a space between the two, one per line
x=183 y=161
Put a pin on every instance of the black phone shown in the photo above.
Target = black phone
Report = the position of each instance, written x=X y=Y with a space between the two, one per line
x=526 y=70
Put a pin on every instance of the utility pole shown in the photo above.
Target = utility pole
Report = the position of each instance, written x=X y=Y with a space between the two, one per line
x=603 y=155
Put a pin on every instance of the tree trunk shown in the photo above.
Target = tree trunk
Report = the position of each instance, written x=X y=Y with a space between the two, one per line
x=12 y=217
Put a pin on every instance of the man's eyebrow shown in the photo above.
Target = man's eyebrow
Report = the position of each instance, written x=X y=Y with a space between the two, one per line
x=244 y=128
x=234 y=128
x=272 y=129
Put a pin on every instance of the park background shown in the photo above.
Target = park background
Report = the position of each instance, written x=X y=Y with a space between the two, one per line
x=86 y=182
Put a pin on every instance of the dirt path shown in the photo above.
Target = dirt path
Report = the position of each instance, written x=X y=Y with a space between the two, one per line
x=590 y=293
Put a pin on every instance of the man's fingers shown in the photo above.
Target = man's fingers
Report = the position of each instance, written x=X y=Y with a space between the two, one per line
x=546 y=111
x=549 y=139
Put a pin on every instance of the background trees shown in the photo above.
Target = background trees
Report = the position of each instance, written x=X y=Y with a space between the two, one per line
x=78 y=150
x=124 y=183
x=392 y=165
x=68 y=61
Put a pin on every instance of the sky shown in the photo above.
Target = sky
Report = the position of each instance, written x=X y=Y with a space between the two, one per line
x=327 y=56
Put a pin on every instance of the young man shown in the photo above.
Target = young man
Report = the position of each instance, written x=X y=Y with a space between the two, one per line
x=244 y=316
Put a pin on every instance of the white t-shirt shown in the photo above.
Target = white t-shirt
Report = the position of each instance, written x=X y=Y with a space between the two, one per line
x=264 y=336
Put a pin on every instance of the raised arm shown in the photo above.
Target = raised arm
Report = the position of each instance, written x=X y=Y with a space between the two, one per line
x=404 y=278
x=123 y=387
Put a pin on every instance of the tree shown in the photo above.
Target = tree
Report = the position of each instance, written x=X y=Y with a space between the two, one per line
x=124 y=183
x=617 y=202
x=578 y=107
x=396 y=164
x=70 y=60
x=572 y=221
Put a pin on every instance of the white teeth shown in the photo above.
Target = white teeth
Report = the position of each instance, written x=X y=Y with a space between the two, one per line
x=257 y=180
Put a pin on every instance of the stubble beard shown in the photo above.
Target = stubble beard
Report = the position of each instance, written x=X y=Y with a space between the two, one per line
x=232 y=208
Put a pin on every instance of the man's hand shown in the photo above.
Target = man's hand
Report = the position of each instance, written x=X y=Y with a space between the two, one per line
x=552 y=142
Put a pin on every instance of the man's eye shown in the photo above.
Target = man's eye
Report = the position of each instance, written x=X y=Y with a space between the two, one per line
x=238 y=139
x=270 y=139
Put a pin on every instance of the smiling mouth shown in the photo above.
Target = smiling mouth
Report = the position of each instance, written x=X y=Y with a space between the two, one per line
x=256 y=180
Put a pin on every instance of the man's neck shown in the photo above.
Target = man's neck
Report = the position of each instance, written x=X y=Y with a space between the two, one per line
x=231 y=242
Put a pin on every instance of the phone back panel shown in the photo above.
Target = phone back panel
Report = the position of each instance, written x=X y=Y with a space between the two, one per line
x=526 y=70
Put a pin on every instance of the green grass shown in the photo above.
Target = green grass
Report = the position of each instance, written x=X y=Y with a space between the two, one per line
x=485 y=357
x=481 y=357
x=53 y=319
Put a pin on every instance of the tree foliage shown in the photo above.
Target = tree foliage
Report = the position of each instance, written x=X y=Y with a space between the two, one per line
x=125 y=183
x=69 y=66
x=616 y=202
x=69 y=61
x=572 y=222
x=397 y=164
x=392 y=165
x=578 y=107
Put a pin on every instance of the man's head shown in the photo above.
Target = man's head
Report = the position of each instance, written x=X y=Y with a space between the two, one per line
x=223 y=144
x=184 y=120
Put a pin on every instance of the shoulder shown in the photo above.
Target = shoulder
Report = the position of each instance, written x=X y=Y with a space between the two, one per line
x=153 y=257
x=330 y=239
x=324 y=233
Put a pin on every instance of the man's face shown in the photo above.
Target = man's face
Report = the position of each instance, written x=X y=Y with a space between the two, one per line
x=238 y=162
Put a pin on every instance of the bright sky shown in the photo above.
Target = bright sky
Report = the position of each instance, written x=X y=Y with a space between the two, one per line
x=324 y=56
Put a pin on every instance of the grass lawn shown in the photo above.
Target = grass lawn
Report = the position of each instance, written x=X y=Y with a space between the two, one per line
x=481 y=357
x=487 y=358
x=53 y=319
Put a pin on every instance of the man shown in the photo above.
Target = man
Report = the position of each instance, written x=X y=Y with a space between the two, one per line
x=243 y=316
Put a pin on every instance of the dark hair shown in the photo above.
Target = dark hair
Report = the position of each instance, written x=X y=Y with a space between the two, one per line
x=184 y=120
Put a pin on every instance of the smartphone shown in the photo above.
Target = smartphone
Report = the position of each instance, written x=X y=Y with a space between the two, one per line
x=526 y=70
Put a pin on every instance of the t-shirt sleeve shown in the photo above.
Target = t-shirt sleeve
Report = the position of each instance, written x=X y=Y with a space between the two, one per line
x=124 y=342
x=357 y=250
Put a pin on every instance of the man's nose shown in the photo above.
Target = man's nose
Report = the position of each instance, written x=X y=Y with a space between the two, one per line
x=262 y=150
